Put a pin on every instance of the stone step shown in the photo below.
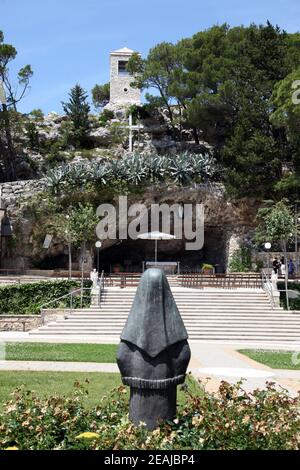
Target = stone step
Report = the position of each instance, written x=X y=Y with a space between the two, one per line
x=193 y=298
x=254 y=337
x=224 y=328
x=188 y=321
x=201 y=312
x=191 y=330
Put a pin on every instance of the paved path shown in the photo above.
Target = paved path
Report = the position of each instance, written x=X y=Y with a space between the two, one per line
x=213 y=363
x=57 y=366
x=216 y=361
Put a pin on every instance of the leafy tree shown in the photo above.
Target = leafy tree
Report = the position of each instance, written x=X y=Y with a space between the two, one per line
x=101 y=95
x=37 y=114
x=77 y=109
x=156 y=72
x=76 y=228
x=11 y=94
x=219 y=84
x=286 y=118
x=14 y=93
x=276 y=224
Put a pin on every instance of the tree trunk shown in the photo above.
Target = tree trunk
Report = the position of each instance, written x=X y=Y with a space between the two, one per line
x=286 y=277
x=70 y=260
x=10 y=163
x=82 y=265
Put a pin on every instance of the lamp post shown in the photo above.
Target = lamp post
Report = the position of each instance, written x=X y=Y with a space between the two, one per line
x=268 y=246
x=98 y=245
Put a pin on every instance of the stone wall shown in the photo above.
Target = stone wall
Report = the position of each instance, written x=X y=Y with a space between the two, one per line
x=15 y=191
x=49 y=315
x=19 y=322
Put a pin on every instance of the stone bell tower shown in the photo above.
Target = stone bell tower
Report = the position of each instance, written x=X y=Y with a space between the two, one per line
x=121 y=93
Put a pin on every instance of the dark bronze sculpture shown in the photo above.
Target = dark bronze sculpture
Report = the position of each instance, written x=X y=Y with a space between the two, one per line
x=154 y=354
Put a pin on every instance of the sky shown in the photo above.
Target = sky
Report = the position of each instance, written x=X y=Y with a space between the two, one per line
x=69 y=41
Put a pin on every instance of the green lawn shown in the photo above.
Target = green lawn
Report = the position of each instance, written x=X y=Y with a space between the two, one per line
x=62 y=383
x=274 y=359
x=105 y=353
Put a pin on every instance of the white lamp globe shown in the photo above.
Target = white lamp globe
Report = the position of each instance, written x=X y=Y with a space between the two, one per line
x=268 y=246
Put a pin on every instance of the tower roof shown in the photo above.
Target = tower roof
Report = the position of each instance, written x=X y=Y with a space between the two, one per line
x=124 y=51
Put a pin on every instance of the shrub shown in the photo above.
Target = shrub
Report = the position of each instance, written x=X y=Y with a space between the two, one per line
x=231 y=419
x=241 y=261
x=294 y=303
x=27 y=299
x=106 y=116
x=37 y=114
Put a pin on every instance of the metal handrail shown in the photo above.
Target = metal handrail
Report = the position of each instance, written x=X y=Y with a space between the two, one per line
x=268 y=287
x=101 y=287
x=70 y=294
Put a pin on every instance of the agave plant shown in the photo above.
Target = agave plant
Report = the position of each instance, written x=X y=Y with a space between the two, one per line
x=180 y=169
x=100 y=173
x=77 y=176
x=156 y=168
x=135 y=169
x=55 y=179
x=117 y=170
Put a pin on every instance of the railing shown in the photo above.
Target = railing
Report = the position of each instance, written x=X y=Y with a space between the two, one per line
x=122 y=280
x=224 y=281
x=71 y=295
x=268 y=287
x=101 y=287
x=195 y=280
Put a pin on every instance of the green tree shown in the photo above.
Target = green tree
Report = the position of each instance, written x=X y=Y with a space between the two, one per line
x=286 y=118
x=32 y=135
x=276 y=224
x=14 y=93
x=77 y=229
x=77 y=109
x=219 y=84
x=157 y=72
x=101 y=95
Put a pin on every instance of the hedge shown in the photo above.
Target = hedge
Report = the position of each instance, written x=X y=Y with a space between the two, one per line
x=27 y=299
x=294 y=303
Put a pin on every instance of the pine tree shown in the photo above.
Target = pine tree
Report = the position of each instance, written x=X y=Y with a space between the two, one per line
x=77 y=109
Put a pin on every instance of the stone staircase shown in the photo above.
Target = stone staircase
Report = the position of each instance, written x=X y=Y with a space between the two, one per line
x=235 y=315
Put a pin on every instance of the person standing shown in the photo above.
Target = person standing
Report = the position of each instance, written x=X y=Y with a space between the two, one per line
x=282 y=267
x=276 y=266
x=291 y=268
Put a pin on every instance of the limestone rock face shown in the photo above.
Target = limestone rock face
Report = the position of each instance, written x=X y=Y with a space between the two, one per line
x=100 y=136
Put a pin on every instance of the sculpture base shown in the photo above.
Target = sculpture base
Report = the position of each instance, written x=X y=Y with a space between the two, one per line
x=151 y=406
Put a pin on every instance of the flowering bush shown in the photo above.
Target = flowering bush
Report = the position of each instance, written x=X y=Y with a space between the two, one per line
x=229 y=419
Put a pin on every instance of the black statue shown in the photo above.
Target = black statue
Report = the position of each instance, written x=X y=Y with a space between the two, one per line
x=154 y=354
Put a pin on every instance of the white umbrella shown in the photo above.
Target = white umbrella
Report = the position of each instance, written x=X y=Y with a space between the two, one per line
x=156 y=236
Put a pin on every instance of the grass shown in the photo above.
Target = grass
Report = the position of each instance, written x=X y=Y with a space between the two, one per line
x=273 y=359
x=61 y=352
x=61 y=383
x=45 y=384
